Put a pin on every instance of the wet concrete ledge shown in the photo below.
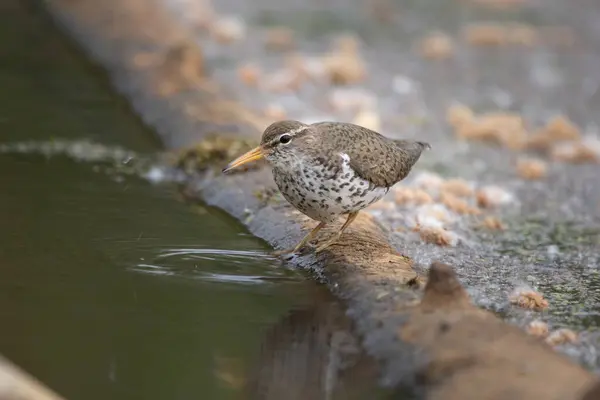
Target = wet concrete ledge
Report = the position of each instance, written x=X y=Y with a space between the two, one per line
x=434 y=343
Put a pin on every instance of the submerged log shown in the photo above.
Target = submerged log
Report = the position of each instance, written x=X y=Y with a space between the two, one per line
x=434 y=343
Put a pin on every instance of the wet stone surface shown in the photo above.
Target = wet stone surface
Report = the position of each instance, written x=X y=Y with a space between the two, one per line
x=543 y=236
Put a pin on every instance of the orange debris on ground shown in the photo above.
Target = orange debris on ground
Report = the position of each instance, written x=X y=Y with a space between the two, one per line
x=558 y=129
x=506 y=129
x=562 y=336
x=560 y=139
x=531 y=169
x=249 y=74
x=437 y=236
x=459 y=115
x=529 y=299
x=499 y=4
x=344 y=65
x=227 y=29
x=493 y=223
x=537 y=328
x=574 y=153
x=497 y=34
x=457 y=204
x=492 y=196
x=457 y=187
x=436 y=46
x=485 y=34
x=279 y=38
x=405 y=195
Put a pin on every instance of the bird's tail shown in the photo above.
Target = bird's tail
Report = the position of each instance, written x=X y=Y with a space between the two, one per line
x=424 y=145
x=411 y=152
x=412 y=145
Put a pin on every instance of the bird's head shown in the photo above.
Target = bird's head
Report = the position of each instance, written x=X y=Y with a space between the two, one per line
x=278 y=143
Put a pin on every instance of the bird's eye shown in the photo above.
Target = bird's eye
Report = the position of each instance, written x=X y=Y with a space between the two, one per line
x=285 y=138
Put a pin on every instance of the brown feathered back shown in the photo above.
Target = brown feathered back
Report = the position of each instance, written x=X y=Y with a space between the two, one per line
x=376 y=158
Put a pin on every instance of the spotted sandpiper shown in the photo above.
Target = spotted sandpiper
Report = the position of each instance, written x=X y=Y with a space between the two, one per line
x=329 y=169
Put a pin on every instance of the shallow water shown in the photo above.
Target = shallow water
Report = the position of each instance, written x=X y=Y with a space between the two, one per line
x=113 y=288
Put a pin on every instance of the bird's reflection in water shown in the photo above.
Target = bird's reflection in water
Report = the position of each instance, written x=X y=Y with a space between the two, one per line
x=311 y=354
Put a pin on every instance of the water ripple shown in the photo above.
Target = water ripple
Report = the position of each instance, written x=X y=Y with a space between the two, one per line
x=246 y=267
x=204 y=253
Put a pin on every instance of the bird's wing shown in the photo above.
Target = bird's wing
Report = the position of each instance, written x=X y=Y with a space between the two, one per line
x=380 y=166
x=375 y=158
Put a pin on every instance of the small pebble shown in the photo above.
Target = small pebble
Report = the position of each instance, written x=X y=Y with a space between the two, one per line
x=403 y=85
x=432 y=215
x=493 y=196
x=553 y=251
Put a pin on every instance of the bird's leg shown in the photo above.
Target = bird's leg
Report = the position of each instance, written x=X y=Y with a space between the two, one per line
x=336 y=236
x=303 y=242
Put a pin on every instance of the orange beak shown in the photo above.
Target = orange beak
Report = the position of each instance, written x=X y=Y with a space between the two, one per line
x=252 y=155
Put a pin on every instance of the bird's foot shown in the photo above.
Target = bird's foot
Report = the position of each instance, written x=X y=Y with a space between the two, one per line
x=327 y=243
x=283 y=252
x=294 y=250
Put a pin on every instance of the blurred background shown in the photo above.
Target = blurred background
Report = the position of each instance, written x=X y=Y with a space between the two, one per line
x=116 y=286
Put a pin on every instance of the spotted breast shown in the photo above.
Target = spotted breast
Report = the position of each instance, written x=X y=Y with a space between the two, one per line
x=325 y=189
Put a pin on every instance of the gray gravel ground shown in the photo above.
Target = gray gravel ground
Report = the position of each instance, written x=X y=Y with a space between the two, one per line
x=553 y=235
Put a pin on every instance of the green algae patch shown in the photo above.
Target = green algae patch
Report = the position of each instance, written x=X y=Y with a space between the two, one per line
x=529 y=236
x=214 y=152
